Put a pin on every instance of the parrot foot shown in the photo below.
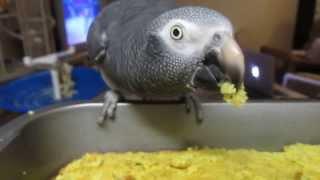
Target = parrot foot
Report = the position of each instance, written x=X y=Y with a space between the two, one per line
x=109 y=107
x=192 y=100
x=100 y=57
x=188 y=104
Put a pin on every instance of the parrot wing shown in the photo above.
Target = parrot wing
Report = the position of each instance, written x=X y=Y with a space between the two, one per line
x=119 y=20
x=131 y=9
x=98 y=38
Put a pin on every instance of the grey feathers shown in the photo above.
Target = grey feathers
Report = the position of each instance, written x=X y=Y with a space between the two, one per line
x=136 y=52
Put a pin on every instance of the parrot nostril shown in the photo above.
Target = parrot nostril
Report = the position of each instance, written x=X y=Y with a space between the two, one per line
x=217 y=37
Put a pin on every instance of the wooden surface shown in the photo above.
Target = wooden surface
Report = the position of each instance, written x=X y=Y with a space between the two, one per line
x=294 y=57
x=3 y=4
x=310 y=76
x=288 y=92
x=36 y=25
x=2 y=64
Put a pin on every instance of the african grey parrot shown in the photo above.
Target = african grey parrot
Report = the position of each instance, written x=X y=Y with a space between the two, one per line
x=155 y=50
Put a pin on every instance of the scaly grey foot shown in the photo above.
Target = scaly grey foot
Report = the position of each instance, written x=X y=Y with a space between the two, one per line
x=192 y=100
x=188 y=104
x=109 y=107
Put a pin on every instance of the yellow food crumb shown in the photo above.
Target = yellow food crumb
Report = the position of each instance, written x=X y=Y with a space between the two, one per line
x=297 y=162
x=233 y=96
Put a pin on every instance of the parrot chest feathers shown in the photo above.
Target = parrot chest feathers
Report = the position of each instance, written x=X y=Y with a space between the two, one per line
x=165 y=78
x=153 y=76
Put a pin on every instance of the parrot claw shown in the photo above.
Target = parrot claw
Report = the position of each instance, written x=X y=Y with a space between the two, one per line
x=109 y=107
x=192 y=100
x=188 y=104
x=100 y=57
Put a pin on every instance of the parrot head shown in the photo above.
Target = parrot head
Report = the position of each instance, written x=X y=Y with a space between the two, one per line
x=197 y=47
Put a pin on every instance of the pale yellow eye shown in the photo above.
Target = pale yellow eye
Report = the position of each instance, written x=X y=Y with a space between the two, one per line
x=176 y=32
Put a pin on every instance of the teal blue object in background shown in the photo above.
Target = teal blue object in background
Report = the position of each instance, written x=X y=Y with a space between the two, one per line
x=35 y=91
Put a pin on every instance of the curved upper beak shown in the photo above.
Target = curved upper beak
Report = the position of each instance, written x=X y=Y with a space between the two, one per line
x=225 y=63
x=231 y=60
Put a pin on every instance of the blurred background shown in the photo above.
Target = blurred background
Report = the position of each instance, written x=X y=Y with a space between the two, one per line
x=280 y=40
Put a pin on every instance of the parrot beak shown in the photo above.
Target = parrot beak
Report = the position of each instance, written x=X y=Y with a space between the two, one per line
x=219 y=65
x=231 y=60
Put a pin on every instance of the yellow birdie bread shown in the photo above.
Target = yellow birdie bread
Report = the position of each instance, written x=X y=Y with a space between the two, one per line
x=298 y=162
x=232 y=95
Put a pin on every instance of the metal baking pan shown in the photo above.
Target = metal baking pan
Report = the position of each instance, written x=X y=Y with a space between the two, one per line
x=37 y=146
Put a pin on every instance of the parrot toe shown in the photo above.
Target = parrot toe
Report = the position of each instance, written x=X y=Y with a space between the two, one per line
x=193 y=101
x=109 y=107
x=188 y=104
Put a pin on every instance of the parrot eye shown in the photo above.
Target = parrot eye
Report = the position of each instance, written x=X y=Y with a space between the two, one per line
x=176 y=33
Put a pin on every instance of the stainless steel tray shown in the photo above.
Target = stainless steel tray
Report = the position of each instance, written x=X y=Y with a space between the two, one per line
x=36 y=146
